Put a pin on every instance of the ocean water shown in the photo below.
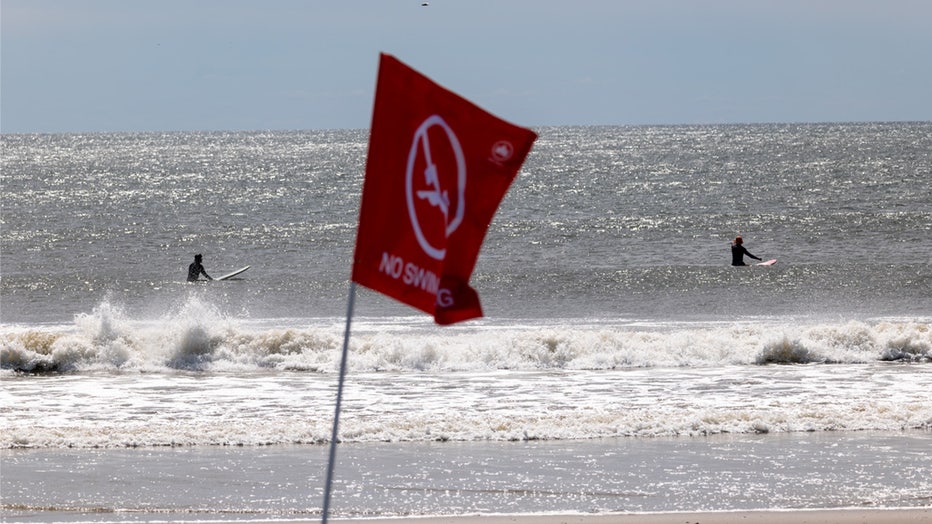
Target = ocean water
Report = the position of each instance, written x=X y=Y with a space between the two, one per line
x=612 y=317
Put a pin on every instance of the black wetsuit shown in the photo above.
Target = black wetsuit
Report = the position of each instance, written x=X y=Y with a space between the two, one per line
x=195 y=270
x=737 y=255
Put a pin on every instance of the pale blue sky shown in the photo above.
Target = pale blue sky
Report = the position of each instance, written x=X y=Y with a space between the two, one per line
x=174 y=65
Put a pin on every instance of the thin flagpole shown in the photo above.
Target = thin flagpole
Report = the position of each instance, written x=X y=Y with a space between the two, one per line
x=336 y=414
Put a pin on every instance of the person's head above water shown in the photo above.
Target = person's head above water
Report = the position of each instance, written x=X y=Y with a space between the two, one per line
x=738 y=240
x=197 y=258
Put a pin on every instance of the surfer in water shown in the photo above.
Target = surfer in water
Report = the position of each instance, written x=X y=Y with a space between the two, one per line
x=196 y=269
x=738 y=251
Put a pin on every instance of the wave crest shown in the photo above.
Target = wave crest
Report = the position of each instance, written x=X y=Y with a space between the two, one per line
x=198 y=337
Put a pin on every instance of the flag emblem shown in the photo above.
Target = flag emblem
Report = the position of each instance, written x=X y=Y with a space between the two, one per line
x=435 y=195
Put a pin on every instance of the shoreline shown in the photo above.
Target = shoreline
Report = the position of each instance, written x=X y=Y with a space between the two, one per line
x=832 y=478
x=795 y=516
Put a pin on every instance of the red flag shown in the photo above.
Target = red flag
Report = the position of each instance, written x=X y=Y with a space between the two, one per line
x=437 y=169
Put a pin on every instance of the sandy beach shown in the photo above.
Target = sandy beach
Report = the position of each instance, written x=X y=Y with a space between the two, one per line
x=893 y=516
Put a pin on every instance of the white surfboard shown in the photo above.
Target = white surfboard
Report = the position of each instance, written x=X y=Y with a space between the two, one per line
x=233 y=274
x=770 y=262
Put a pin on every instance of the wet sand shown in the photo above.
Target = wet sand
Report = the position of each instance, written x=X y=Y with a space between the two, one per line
x=893 y=516
x=720 y=479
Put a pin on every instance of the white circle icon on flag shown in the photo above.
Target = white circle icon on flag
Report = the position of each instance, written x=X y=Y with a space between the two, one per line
x=429 y=198
x=502 y=151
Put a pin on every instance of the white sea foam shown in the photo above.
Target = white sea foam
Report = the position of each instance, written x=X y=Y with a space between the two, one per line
x=119 y=410
x=197 y=337
x=197 y=377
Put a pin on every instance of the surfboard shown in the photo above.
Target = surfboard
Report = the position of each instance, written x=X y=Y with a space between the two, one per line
x=233 y=274
x=770 y=262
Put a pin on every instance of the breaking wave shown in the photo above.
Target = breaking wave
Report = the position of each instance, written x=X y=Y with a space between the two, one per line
x=198 y=337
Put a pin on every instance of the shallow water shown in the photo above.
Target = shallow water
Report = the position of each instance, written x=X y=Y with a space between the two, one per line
x=281 y=483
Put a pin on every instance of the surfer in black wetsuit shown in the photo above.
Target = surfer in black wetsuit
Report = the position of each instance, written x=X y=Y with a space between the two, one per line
x=738 y=251
x=196 y=269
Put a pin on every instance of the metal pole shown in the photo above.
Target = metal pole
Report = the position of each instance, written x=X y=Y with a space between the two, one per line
x=336 y=414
